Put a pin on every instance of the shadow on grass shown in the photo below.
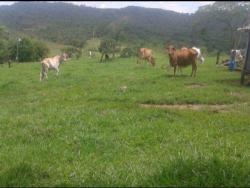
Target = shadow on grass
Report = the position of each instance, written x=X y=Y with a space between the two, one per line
x=22 y=175
x=233 y=82
x=177 y=75
x=202 y=173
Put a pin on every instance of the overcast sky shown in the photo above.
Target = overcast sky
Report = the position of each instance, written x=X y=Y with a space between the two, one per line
x=178 y=6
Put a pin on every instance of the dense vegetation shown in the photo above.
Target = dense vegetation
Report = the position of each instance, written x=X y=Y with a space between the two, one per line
x=24 y=50
x=212 y=26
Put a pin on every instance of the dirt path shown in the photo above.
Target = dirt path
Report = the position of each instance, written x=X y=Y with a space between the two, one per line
x=216 y=107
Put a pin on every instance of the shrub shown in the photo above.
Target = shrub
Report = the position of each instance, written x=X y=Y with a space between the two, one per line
x=72 y=52
x=128 y=52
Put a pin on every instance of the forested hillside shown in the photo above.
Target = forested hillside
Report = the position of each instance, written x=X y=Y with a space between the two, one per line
x=213 y=26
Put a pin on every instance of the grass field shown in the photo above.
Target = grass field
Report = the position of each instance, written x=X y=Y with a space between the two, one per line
x=82 y=129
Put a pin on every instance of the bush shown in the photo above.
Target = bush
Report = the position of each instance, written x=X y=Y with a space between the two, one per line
x=4 y=52
x=28 y=50
x=40 y=50
x=72 y=52
x=128 y=52
x=108 y=46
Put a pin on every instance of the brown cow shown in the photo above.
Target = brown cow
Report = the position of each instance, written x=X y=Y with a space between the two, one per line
x=146 y=54
x=182 y=58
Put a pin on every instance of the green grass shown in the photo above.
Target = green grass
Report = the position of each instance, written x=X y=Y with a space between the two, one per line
x=82 y=130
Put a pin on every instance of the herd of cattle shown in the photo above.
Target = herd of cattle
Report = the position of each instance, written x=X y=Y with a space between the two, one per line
x=178 y=58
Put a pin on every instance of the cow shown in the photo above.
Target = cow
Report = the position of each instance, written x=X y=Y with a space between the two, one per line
x=182 y=58
x=51 y=64
x=146 y=54
x=238 y=55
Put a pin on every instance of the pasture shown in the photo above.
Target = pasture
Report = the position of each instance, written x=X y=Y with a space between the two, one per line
x=89 y=127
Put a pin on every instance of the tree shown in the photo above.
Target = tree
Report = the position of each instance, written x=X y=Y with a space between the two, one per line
x=29 y=50
x=108 y=46
x=72 y=52
x=40 y=50
x=4 y=46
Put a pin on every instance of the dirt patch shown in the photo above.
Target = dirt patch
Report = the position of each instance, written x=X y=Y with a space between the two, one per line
x=195 y=85
x=214 y=108
x=236 y=94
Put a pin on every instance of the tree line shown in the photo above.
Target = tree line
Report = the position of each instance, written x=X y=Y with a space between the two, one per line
x=212 y=26
x=21 y=50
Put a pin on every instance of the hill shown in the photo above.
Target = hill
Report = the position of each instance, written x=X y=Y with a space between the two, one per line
x=73 y=25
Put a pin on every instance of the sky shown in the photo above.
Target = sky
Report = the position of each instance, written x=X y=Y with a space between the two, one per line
x=178 y=6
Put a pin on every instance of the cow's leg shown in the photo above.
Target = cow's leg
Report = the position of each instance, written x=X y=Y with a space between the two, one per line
x=195 y=68
x=192 y=70
x=137 y=62
x=46 y=70
x=180 y=70
x=150 y=61
x=41 y=76
x=174 y=69
x=57 y=72
x=42 y=73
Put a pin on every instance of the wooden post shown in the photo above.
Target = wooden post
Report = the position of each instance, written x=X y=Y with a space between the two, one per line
x=246 y=68
x=218 y=57
x=101 y=57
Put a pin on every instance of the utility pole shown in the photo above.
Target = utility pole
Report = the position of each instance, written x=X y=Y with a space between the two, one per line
x=17 y=50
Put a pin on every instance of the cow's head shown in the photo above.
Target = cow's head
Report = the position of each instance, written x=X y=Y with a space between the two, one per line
x=170 y=49
x=63 y=57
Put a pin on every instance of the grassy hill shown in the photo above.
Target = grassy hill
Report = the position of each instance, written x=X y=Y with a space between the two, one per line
x=89 y=128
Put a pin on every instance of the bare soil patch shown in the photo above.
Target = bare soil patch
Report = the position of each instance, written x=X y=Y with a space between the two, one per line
x=195 y=85
x=214 y=107
x=236 y=94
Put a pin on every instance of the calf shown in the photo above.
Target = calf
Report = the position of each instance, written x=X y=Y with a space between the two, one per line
x=182 y=58
x=146 y=54
x=51 y=63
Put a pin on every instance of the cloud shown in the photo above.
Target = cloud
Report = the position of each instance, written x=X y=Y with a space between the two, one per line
x=6 y=2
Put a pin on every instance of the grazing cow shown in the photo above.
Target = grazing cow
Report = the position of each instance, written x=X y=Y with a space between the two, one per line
x=182 y=58
x=52 y=63
x=146 y=54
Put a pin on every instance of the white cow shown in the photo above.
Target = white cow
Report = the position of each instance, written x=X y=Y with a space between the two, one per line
x=51 y=63
x=199 y=56
x=238 y=55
